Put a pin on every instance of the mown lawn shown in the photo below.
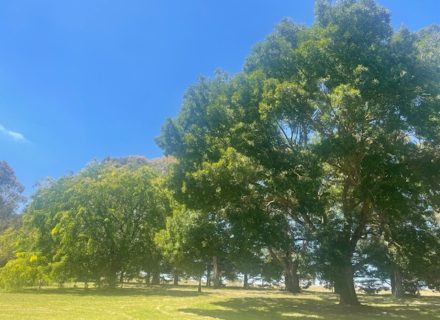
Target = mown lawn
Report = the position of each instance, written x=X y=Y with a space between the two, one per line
x=186 y=303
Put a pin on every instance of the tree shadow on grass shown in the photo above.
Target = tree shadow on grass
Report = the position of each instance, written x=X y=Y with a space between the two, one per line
x=122 y=292
x=384 y=299
x=297 y=308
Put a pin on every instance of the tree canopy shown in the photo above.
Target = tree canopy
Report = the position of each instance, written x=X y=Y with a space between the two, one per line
x=333 y=127
x=99 y=223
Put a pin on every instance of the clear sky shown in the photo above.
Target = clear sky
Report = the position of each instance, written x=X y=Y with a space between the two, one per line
x=85 y=79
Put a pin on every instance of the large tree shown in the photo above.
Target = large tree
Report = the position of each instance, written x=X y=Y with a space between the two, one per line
x=333 y=129
x=99 y=223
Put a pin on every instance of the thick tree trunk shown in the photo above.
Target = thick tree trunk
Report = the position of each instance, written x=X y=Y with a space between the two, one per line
x=156 y=278
x=344 y=285
x=176 y=279
x=148 y=278
x=245 y=281
x=121 y=279
x=208 y=274
x=393 y=283
x=112 y=279
x=291 y=277
x=344 y=282
x=199 y=287
x=397 y=284
x=216 y=272
x=290 y=268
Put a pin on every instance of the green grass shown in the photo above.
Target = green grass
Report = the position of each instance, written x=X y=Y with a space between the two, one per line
x=186 y=303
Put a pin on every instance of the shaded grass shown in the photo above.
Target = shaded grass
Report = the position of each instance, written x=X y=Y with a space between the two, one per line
x=185 y=303
x=169 y=291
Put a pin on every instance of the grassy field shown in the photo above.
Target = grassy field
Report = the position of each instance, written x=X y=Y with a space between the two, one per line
x=185 y=303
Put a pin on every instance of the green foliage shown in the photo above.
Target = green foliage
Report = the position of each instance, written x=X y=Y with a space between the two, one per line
x=191 y=239
x=319 y=158
x=98 y=223
x=10 y=195
x=331 y=131
x=8 y=245
x=27 y=269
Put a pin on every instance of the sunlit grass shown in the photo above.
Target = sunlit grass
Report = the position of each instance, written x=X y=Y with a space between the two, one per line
x=185 y=303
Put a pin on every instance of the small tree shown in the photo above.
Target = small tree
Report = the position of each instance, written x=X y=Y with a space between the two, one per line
x=27 y=270
x=100 y=223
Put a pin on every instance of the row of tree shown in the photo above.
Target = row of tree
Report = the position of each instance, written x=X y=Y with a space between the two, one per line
x=320 y=160
x=115 y=220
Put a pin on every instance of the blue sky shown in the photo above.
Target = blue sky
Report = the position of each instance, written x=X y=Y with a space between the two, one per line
x=82 y=80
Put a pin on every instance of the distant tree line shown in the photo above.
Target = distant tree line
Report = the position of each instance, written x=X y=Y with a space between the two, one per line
x=319 y=160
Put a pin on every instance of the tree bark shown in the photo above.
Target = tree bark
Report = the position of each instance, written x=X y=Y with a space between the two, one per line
x=393 y=283
x=156 y=278
x=344 y=282
x=176 y=279
x=397 y=283
x=208 y=274
x=245 y=281
x=112 y=279
x=344 y=285
x=290 y=268
x=148 y=278
x=199 y=287
x=216 y=272
x=121 y=279
x=291 y=277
